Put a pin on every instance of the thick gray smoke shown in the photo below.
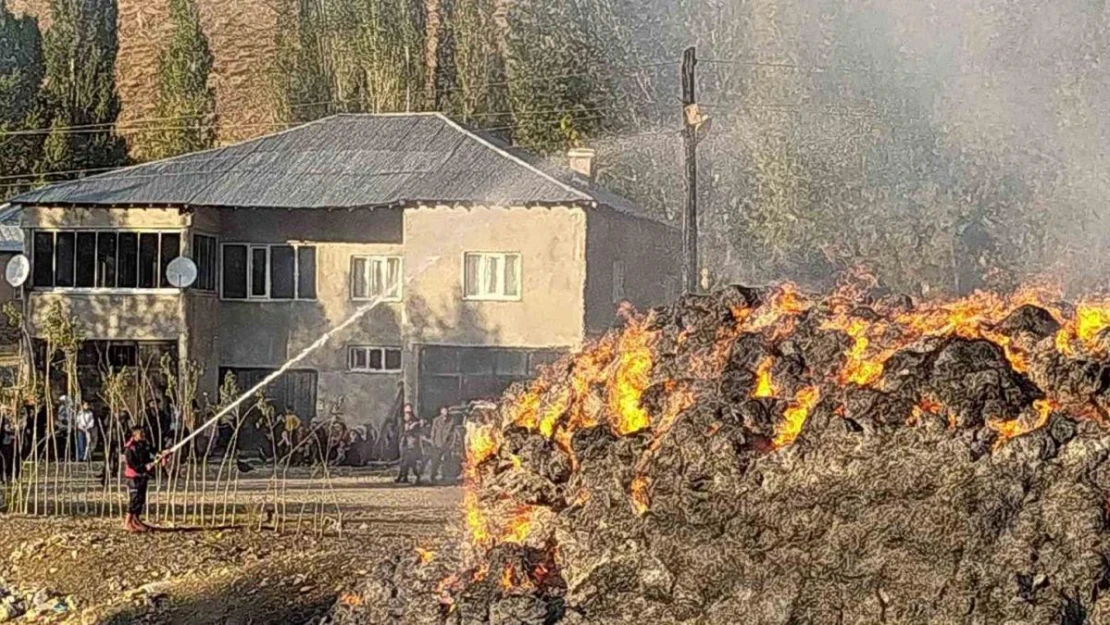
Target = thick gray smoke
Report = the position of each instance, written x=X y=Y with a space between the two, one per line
x=946 y=145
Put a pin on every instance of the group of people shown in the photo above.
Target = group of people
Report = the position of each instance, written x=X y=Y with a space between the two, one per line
x=437 y=445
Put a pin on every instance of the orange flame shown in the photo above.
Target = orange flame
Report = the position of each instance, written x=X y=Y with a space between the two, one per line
x=631 y=378
x=794 y=417
x=519 y=526
x=425 y=556
x=1013 y=428
x=763 y=384
x=640 y=499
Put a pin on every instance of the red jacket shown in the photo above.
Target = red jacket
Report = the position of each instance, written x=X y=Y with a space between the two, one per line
x=136 y=454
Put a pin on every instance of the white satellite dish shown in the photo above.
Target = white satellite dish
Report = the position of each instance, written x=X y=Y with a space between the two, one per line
x=181 y=272
x=19 y=268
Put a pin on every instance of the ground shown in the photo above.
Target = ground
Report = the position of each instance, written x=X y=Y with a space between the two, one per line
x=233 y=575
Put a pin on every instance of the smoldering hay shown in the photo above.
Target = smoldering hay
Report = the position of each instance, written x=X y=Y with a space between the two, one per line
x=763 y=456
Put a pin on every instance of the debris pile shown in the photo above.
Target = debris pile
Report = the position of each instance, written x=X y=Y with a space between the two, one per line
x=764 y=457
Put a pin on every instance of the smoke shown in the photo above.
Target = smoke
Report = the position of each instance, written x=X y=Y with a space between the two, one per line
x=947 y=145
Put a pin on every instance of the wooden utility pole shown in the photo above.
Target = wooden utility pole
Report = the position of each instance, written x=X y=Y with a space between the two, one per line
x=690 y=119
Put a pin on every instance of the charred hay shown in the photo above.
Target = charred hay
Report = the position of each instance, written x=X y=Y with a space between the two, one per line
x=756 y=457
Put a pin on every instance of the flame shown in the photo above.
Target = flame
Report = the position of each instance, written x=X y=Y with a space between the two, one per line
x=475 y=520
x=640 y=499
x=425 y=556
x=763 y=384
x=632 y=376
x=482 y=442
x=519 y=526
x=1015 y=427
x=794 y=417
x=350 y=599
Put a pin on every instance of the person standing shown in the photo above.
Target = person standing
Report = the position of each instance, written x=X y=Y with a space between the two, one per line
x=290 y=434
x=441 y=432
x=86 y=432
x=138 y=466
x=411 y=444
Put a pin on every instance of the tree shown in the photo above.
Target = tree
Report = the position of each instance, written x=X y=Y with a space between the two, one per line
x=21 y=74
x=186 y=103
x=80 y=89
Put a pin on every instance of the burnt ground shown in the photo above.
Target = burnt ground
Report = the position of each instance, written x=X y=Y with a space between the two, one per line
x=231 y=575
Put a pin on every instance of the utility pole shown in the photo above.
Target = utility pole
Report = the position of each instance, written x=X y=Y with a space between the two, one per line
x=691 y=118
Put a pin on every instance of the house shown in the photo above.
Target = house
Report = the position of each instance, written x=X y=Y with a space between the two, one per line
x=490 y=262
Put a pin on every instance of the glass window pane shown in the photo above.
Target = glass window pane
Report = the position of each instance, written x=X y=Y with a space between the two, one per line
x=471 y=281
x=358 y=358
x=306 y=276
x=44 y=258
x=64 y=255
x=512 y=275
x=359 y=285
x=171 y=249
x=392 y=359
x=206 y=268
x=106 y=260
x=128 y=260
x=235 y=272
x=86 y=260
x=492 y=269
x=376 y=277
x=258 y=271
x=282 y=268
x=148 y=260
x=393 y=277
x=375 y=359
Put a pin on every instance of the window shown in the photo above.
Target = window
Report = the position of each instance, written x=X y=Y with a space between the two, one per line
x=618 y=281
x=375 y=359
x=492 y=276
x=204 y=255
x=374 y=276
x=87 y=259
x=269 y=272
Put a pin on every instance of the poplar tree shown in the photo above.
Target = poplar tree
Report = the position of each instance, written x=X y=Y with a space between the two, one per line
x=186 y=103
x=80 y=50
x=21 y=73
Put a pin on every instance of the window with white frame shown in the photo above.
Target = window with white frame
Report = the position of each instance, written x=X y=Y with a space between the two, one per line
x=374 y=359
x=268 y=271
x=492 y=276
x=374 y=276
x=103 y=259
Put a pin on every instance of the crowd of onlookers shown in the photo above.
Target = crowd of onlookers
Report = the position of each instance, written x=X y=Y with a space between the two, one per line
x=74 y=432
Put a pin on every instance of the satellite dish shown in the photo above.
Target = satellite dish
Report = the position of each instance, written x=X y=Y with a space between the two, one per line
x=181 y=272
x=19 y=268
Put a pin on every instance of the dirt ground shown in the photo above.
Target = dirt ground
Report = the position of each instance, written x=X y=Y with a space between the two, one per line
x=232 y=575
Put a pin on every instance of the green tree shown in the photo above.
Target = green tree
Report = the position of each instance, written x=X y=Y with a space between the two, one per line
x=21 y=73
x=80 y=89
x=186 y=103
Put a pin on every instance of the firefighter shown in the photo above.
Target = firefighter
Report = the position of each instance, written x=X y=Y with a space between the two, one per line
x=139 y=463
x=411 y=446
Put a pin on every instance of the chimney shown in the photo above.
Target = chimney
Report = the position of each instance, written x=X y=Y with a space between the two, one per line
x=581 y=160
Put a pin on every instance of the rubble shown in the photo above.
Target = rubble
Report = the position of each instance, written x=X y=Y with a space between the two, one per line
x=764 y=457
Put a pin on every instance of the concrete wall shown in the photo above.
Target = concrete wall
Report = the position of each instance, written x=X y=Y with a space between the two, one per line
x=266 y=334
x=74 y=217
x=124 y=316
x=651 y=254
x=552 y=243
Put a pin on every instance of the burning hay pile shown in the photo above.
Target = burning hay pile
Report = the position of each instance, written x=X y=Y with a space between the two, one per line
x=754 y=456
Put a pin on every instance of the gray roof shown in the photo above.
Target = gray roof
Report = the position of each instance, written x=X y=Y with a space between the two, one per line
x=11 y=235
x=344 y=161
